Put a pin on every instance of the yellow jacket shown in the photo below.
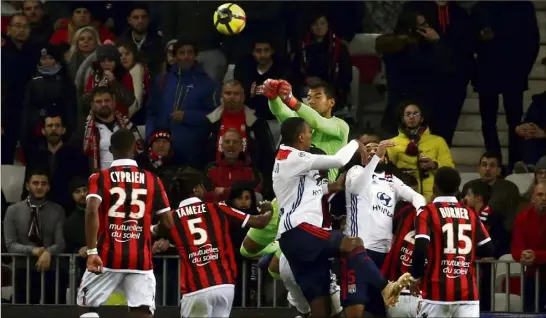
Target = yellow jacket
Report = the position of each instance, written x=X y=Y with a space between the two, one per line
x=429 y=145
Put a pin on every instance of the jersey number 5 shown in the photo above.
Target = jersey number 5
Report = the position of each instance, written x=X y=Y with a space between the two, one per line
x=453 y=243
x=195 y=230
x=135 y=201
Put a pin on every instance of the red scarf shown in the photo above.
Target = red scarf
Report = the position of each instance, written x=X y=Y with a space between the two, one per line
x=231 y=121
x=92 y=138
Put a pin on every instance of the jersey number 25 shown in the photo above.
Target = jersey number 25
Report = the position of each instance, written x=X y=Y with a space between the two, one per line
x=135 y=201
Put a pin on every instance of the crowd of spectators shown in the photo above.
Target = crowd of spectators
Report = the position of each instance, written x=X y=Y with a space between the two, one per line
x=75 y=72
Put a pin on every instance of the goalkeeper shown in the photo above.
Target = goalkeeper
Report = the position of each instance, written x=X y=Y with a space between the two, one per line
x=329 y=133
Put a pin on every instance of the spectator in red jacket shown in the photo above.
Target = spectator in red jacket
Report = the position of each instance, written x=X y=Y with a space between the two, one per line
x=232 y=166
x=82 y=14
x=529 y=247
x=109 y=72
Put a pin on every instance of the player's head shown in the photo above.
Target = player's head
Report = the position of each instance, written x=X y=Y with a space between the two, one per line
x=477 y=194
x=322 y=98
x=187 y=184
x=123 y=144
x=446 y=182
x=296 y=133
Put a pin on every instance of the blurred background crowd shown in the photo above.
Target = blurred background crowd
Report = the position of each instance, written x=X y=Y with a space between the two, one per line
x=431 y=75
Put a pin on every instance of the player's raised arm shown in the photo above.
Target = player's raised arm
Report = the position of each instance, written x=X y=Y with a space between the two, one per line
x=254 y=221
x=408 y=194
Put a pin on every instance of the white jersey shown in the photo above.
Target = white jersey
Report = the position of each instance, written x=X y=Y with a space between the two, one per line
x=371 y=200
x=298 y=185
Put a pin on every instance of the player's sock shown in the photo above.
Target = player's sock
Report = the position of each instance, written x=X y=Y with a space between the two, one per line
x=368 y=266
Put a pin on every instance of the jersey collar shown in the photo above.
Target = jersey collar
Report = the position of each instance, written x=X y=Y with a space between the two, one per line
x=189 y=201
x=449 y=199
x=123 y=162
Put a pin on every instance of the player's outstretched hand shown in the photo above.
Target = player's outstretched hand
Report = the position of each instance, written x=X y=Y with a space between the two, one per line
x=269 y=89
x=285 y=93
x=94 y=264
x=382 y=149
x=265 y=206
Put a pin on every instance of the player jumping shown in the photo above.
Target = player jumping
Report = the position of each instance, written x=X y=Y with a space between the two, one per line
x=371 y=197
x=201 y=234
x=448 y=235
x=305 y=244
x=120 y=205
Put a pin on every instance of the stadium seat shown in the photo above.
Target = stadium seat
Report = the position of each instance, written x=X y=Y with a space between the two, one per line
x=516 y=305
x=13 y=178
x=467 y=176
x=354 y=94
x=522 y=180
x=229 y=72
x=502 y=269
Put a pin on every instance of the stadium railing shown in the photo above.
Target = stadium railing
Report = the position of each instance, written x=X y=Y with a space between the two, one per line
x=503 y=297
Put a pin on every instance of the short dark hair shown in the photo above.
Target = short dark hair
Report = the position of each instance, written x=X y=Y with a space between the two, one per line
x=291 y=128
x=329 y=90
x=479 y=188
x=491 y=155
x=184 y=42
x=99 y=90
x=36 y=172
x=182 y=185
x=53 y=114
x=447 y=181
x=262 y=40
x=402 y=108
x=122 y=141
x=233 y=82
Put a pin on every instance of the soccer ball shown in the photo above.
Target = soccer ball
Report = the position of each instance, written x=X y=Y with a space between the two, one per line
x=229 y=19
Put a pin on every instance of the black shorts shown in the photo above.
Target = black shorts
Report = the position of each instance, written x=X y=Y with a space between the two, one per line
x=308 y=249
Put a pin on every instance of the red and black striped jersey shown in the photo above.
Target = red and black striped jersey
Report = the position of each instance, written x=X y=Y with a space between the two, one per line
x=201 y=234
x=398 y=260
x=454 y=233
x=129 y=197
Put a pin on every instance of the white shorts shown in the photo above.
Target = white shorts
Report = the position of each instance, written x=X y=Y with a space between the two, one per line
x=295 y=296
x=210 y=302
x=138 y=288
x=428 y=309
x=407 y=307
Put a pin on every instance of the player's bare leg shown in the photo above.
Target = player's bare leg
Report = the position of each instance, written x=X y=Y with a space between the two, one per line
x=140 y=312
x=321 y=307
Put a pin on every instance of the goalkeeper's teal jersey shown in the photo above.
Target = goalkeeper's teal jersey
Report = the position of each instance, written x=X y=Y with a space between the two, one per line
x=328 y=134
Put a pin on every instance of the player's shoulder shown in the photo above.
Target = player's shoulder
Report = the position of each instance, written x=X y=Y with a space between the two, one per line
x=288 y=155
x=356 y=169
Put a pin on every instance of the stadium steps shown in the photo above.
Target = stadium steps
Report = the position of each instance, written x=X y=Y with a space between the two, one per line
x=468 y=142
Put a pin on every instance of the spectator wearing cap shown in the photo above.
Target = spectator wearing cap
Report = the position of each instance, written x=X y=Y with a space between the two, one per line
x=107 y=71
x=40 y=25
x=19 y=58
x=176 y=16
x=529 y=248
x=51 y=91
x=147 y=40
x=157 y=158
x=533 y=130
x=181 y=99
x=82 y=15
x=256 y=141
x=540 y=176
x=60 y=159
x=74 y=225
x=103 y=120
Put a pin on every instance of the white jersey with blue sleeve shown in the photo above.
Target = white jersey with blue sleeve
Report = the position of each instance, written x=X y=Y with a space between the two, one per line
x=371 y=200
x=298 y=186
